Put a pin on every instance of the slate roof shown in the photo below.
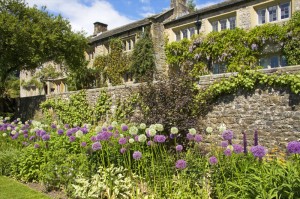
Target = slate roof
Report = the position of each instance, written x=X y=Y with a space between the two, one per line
x=128 y=27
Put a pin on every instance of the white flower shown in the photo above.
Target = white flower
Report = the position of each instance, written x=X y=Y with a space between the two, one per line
x=98 y=129
x=8 y=128
x=133 y=130
x=152 y=126
x=143 y=126
x=7 y=118
x=152 y=132
x=88 y=126
x=159 y=127
x=222 y=128
x=26 y=122
x=131 y=140
x=58 y=126
x=13 y=132
x=174 y=130
x=209 y=129
x=114 y=124
x=192 y=131
x=75 y=124
x=20 y=122
x=79 y=134
x=142 y=138
x=17 y=128
x=18 y=119
x=4 y=134
x=121 y=135
x=21 y=131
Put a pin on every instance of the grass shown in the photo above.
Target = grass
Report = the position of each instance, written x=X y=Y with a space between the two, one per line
x=11 y=189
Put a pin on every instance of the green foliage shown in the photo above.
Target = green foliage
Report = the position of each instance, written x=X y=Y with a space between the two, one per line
x=8 y=158
x=102 y=106
x=143 y=65
x=36 y=37
x=12 y=86
x=115 y=65
x=191 y=6
x=126 y=107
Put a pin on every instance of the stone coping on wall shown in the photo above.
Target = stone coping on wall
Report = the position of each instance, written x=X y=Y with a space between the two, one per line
x=208 y=79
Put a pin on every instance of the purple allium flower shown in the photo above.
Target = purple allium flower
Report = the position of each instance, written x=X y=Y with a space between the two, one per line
x=46 y=137
x=25 y=135
x=258 y=151
x=237 y=148
x=60 y=132
x=67 y=126
x=110 y=128
x=104 y=135
x=137 y=155
x=150 y=143
x=179 y=148
x=72 y=138
x=122 y=141
x=124 y=127
x=93 y=138
x=245 y=142
x=104 y=129
x=255 y=138
x=159 y=138
x=227 y=152
x=69 y=132
x=227 y=135
x=83 y=144
x=122 y=150
x=224 y=144
x=53 y=126
x=36 y=145
x=213 y=160
x=84 y=130
x=293 y=147
x=96 y=146
x=136 y=138
x=190 y=137
x=32 y=138
x=25 y=143
x=180 y=164
x=198 y=138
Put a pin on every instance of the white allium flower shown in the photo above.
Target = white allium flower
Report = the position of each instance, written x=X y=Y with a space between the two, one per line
x=4 y=134
x=13 y=132
x=79 y=134
x=143 y=126
x=133 y=130
x=18 y=119
x=121 y=135
x=58 y=126
x=222 y=128
x=152 y=126
x=88 y=126
x=192 y=131
x=21 y=131
x=131 y=140
x=17 y=128
x=152 y=132
x=98 y=129
x=75 y=124
x=20 y=122
x=174 y=130
x=32 y=130
x=114 y=124
x=209 y=129
x=7 y=118
x=142 y=138
x=159 y=127
x=26 y=122
x=8 y=128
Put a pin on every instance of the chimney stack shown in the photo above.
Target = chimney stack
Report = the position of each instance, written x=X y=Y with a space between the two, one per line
x=99 y=28
x=180 y=7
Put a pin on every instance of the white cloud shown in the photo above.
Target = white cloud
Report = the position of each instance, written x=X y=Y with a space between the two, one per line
x=83 y=15
x=145 y=1
x=199 y=6
x=147 y=14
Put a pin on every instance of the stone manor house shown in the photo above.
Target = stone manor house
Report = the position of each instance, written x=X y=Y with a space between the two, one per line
x=177 y=23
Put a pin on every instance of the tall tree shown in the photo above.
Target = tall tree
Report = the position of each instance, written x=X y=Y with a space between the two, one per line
x=191 y=5
x=30 y=37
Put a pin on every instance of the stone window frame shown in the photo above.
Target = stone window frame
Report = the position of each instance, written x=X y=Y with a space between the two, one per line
x=190 y=30
x=264 y=12
x=266 y=60
x=217 y=23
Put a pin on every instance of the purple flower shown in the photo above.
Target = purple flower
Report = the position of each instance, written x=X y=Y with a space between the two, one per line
x=122 y=141
x=179 y=148
x=159 y=138
x=198 y=138
x=53 y=126
x=83 y=144
x=237 y=148
x=258 y=151
x=93 y=138
x=104 y=136
x=224 y=144
x=213 y=160
x=96 y=146
x=122 y=150
x=293 y=147
x=150 y=143
x=110 y=128
x=124 y=127
x=180 y=164
x=25 y=135
x=136 y=138
x=32 y=138
x=60 y=132
x=137 y=155
x=69 y=132
x=46 y=137
x=67 y=126
x=227 y=152
x=84 y=130
x=36 y=145
x=254 y=46
x=72 y=138
x=227 y=135
x=190 y=137
x=25 y=143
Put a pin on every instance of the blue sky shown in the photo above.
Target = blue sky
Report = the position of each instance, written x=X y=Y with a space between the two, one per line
x=83 y=13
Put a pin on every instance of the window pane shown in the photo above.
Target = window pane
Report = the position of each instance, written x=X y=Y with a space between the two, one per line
x=274 y=61
x=264 y=62
x=272 y=13
x=232 y=22
x=285 y=10
x=223 y=24
x=192 y=31
x=215 y=68
x=261 y=16
x=215 y=26
x=283 y=61
x=129 y=45
x=177 y=36
x=185 y=33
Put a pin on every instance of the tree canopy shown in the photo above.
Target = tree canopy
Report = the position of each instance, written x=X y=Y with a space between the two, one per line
x=30 y=37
